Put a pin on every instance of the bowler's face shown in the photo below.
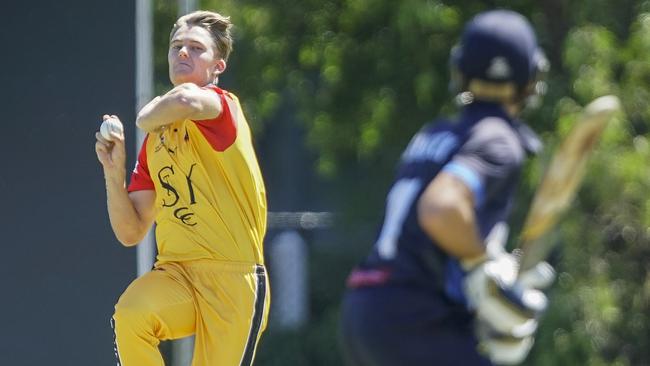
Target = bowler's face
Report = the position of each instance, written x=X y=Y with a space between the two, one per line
x=192 y=57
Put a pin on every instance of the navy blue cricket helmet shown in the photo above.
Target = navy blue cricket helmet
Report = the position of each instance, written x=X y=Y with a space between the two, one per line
x=498 y=55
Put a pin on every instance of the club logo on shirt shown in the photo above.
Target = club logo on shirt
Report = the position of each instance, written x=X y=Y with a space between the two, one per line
x=162 y=144
x=172 y=196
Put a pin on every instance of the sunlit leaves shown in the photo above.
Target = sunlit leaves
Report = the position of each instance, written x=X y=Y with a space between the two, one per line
x=590 y=54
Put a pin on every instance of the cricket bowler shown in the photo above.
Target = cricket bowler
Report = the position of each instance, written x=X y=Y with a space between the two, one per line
x=197 y=177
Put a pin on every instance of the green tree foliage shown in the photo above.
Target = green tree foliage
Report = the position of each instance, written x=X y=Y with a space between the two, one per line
x=364 y=75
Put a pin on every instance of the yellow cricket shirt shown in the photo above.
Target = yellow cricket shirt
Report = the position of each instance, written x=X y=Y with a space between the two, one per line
x=210 y=195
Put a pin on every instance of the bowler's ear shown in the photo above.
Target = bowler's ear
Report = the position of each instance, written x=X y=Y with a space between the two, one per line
x=219 y=67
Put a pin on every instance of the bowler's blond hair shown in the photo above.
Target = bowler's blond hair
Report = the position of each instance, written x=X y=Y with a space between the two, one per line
x=215 y=23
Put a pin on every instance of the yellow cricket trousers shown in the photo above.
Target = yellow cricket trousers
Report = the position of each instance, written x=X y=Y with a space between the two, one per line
x=224 y=304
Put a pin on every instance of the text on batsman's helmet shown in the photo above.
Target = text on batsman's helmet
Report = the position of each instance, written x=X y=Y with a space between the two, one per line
x=498 y=58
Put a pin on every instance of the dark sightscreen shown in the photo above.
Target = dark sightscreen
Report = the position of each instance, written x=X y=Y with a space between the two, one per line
x=63 y=64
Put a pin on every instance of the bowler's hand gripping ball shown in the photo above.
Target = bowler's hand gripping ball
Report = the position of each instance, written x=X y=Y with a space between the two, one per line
x=111 y=126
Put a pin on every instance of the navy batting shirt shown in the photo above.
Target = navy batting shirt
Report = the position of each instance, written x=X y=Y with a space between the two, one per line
x=485 y=148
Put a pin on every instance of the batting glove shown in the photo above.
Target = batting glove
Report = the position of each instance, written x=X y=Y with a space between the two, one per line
x=499 y=300
x=503 y=349
x=507 y=336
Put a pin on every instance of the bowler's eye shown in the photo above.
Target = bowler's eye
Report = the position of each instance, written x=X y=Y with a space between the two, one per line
x=176 y=47
x=197 y=48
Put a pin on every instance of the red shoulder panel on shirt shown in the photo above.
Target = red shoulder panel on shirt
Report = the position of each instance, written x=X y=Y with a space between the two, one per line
x=221 y=131
x=140 y=177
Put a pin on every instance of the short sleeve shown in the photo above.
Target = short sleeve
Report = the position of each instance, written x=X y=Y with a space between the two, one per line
x=488 y=161
x=221 y=132
x=140 y=177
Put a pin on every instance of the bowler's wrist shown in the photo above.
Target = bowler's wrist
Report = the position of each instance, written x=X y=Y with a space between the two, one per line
x=115 y=178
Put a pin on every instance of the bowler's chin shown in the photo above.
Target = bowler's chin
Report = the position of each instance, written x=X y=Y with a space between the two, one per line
x=178 y=79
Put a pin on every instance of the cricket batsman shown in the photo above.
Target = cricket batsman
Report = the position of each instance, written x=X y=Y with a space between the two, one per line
x=437 y=287
x=198 y=178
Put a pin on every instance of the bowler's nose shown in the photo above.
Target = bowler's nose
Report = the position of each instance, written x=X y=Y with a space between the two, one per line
x=182 y=52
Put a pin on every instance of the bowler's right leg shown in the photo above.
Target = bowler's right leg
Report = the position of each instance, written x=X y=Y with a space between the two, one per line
x=157 y=306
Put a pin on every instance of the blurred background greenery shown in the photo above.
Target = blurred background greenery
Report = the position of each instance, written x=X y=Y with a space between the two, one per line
x=334 y=89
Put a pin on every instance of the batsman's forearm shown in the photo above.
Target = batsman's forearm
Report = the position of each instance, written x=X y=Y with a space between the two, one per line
x=454 y=229
x=446 y=214
x=125 y=220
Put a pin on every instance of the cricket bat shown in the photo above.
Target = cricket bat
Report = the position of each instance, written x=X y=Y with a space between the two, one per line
x=562 y=179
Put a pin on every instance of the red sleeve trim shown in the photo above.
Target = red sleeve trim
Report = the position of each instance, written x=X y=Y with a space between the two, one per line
x=221 y=131
x=140 y=177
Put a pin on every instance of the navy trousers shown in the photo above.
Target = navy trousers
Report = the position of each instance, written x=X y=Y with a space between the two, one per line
x=401 y=326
